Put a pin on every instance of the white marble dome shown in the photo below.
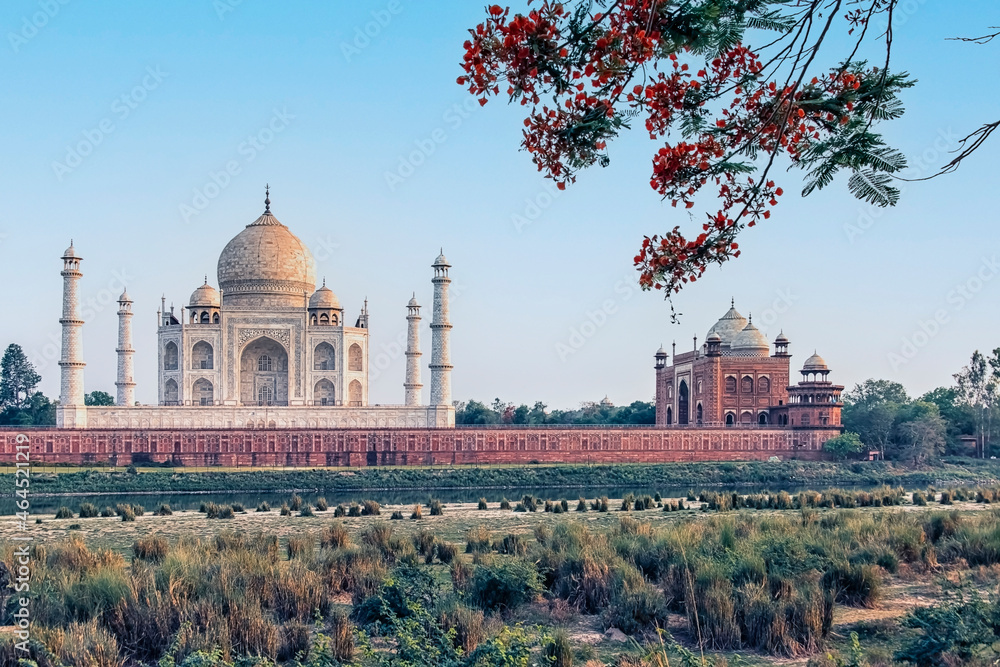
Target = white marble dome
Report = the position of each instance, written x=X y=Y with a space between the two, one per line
x=751 y=342
x=728 y=327
x=815 y=363
x=266 y=265
x=324 y=298
x=205 y=296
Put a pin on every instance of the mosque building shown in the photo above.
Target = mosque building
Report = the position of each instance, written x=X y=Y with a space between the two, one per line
x=734 y=379
x=265 y=349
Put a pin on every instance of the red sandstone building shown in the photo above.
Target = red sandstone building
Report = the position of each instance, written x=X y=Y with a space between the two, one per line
x=735 y=380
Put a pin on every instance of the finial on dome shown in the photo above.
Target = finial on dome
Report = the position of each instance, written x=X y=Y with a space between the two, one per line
x=267 y=198
x=732 y=302
x=206 y=278
x=324 y=281
x=750 y=318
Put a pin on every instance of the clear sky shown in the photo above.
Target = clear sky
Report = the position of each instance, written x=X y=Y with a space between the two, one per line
x=162 y=96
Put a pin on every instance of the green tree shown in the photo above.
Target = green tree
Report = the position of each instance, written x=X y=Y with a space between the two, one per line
x=18 y=378
x=844 y=445
x=870 y=410
x=959 y=418
x=979 y=388
x=921 y=433
x=38 y=411
x=98 y=398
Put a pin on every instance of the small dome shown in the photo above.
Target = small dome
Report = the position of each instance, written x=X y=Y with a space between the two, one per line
x=751 y=342
x=124 y=298
x=661 y=352
x=729 y=326
x=441 y=260
x=324 y=298
x=781 y=338
x=713 y=338
x=606 y=402
x=413 y=302
x=205 y=296
x=70 y=252
x=814 y=364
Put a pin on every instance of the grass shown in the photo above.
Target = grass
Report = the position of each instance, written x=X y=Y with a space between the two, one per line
x=774 y=581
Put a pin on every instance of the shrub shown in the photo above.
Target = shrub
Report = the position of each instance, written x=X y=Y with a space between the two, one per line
x=322 y=505
x=581 y=504
x=354 y=510
x=468 y=626
x=306 y=511
x=340 y=511
x=564 y=504
x=88 y=511
x=151 y=548
x=296 y=502
x=238 y=507
x=164 y=510
x=396 y=516
x=370 y=508
x=504 y=504
x=285 y=510
x=417 y=512
x=126 y=512
x=138 y=509
x=226 y=512
x=520 y=507
x=263 y=507
x=64 y=513
x=299 y=547
x=107 y=511
x=558 y=651
x=478 y=540
x=529 y=503
x=482 y=504
x=947 y=497
x=548 y=505
x=425 y=542
x=436 y=508
x=513 y=544
x=919 y=498
x=334 y=536
x=73 y=526
x=446 y=552
x=503 y=586
x=856 y=585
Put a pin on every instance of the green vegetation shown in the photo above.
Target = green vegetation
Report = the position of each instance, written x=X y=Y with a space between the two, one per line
x=20 y=404
x=474 y=412
x=708 y=474
x=756 y=574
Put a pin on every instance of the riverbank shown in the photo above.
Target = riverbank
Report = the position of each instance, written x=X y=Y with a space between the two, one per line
x=72 y=481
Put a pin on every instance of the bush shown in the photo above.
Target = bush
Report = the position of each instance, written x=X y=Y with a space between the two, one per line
x=239 y=508
x=164 y=510
x=529 y=503
x=513 y=544
x=396 y=516
x=296 y=502
x=322 y=505
x=503 y=586
x=581 y=504
x=425 y=542
x=564 y=504
x=354 y=510
x=482 y=504
x=446 y=552
x=263 y=507
x=126 y=512
x=306 y=511
x=468 y=626
x=855 y=585
x=956 y=632
x=334 y=536
x=88 y=511
x=504 y=504
x=919 y=498
x=947 y=497
x=558 y=651
x=436 y=508
x=107 y=512
x=478 y=540
x=299 y=547
x=370 y=508
x=285 y=510
x=152 y=548
x=226 y=512
x=340 y=511
x=64 y=513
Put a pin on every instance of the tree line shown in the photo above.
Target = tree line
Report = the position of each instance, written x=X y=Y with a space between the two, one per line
x=499 y=412
x=21 y=404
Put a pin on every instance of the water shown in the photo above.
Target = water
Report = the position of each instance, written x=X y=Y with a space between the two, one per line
x=250 y=500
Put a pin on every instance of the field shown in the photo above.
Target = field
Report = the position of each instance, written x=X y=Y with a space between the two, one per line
x=728 y=578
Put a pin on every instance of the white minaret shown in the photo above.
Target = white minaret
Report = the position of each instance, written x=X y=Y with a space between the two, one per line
x=71 y=413
x=441 y=335
x=412 y=383
x=125 y=384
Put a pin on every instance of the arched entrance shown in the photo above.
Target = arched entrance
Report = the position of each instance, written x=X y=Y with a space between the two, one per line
x=683 y=407
x=264 y=373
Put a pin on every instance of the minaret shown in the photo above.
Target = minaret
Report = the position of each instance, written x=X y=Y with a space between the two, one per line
x=440 y=335
x=71 y=412
x=412 y=383
x=126 y=387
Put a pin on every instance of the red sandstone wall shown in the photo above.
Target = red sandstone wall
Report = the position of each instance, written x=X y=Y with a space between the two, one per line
x=369 y=447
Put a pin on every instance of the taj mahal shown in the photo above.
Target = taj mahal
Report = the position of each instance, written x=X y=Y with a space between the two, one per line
x=267 y=349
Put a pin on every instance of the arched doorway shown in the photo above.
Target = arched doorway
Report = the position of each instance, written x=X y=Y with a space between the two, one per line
x=323 y=393
x=762 y=418
x=683 y=406
x=730 y=419
x=264 y=373
x=203 y=392
x=670 y=415
x=699 y=413
x=354 y=393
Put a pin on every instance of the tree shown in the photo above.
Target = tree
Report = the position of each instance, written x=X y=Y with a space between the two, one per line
x=18 y=378
x=921 y=433
x=588 y=69
x=958 y=417
x=98 y=398
x=37 y=411
x=844 y=445
x=870 y=410
x=979 y=388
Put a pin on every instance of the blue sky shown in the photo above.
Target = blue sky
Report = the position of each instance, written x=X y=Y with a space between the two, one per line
x=165 y=96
